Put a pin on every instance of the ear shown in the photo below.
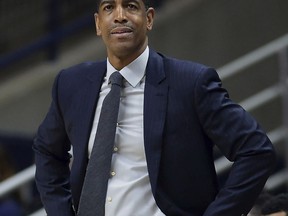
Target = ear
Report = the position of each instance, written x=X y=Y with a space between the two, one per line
x=98 y=29
x=150 y=18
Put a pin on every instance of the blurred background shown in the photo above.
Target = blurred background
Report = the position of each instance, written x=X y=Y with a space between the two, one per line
x=246 y=41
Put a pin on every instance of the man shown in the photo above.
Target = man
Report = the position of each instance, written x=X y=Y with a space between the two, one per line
x=171 y=115
x=276 y=206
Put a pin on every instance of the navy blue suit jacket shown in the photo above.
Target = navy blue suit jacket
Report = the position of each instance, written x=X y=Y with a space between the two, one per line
x=186 y=113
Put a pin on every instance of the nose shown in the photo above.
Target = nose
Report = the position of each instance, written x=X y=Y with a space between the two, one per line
x=120 y=15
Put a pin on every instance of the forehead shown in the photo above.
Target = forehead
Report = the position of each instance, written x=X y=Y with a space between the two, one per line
x=120 y=1
x=146 y=3
x=282 y=213
x=101 y=2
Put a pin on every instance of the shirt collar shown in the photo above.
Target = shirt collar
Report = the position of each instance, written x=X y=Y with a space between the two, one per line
x=135 y=71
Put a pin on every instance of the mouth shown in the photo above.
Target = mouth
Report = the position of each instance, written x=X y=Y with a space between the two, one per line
x=121 y=31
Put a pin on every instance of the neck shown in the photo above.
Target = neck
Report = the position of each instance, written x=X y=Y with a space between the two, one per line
x=122 y=60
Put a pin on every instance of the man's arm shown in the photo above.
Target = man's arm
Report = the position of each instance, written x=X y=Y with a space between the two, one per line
x=52 y=159
x=240 y=139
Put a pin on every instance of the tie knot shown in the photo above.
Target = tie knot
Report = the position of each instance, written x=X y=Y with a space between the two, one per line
x=116 y=78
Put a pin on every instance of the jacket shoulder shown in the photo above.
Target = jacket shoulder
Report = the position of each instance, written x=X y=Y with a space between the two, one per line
x=184 y=65
x=84 y=69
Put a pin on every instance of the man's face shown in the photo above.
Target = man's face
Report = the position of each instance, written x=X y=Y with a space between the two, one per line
x=123 y=26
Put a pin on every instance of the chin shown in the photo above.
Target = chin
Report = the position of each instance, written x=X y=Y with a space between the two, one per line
x=123 y=49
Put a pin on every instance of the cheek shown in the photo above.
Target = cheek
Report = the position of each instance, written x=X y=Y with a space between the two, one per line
x=98 y=32
x=102 y=26
x=103 y=31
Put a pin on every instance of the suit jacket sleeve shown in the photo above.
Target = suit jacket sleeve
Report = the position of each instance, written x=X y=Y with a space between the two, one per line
x=51 y=147
x=240 y=139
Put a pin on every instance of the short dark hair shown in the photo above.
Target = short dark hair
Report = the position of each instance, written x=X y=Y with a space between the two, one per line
x=276 y=204
x=148 y=3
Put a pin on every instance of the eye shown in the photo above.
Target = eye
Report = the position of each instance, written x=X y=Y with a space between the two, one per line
x=108 y=7
x=132 y=6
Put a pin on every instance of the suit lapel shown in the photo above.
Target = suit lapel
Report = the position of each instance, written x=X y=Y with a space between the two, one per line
x=155 y=103
x=88 y=103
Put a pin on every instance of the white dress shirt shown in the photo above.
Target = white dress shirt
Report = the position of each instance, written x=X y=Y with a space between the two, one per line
x=129 y=191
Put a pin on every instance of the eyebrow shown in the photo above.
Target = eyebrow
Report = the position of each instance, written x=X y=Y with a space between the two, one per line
x=112 y=1
x=105 y=1
x=135 y=1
